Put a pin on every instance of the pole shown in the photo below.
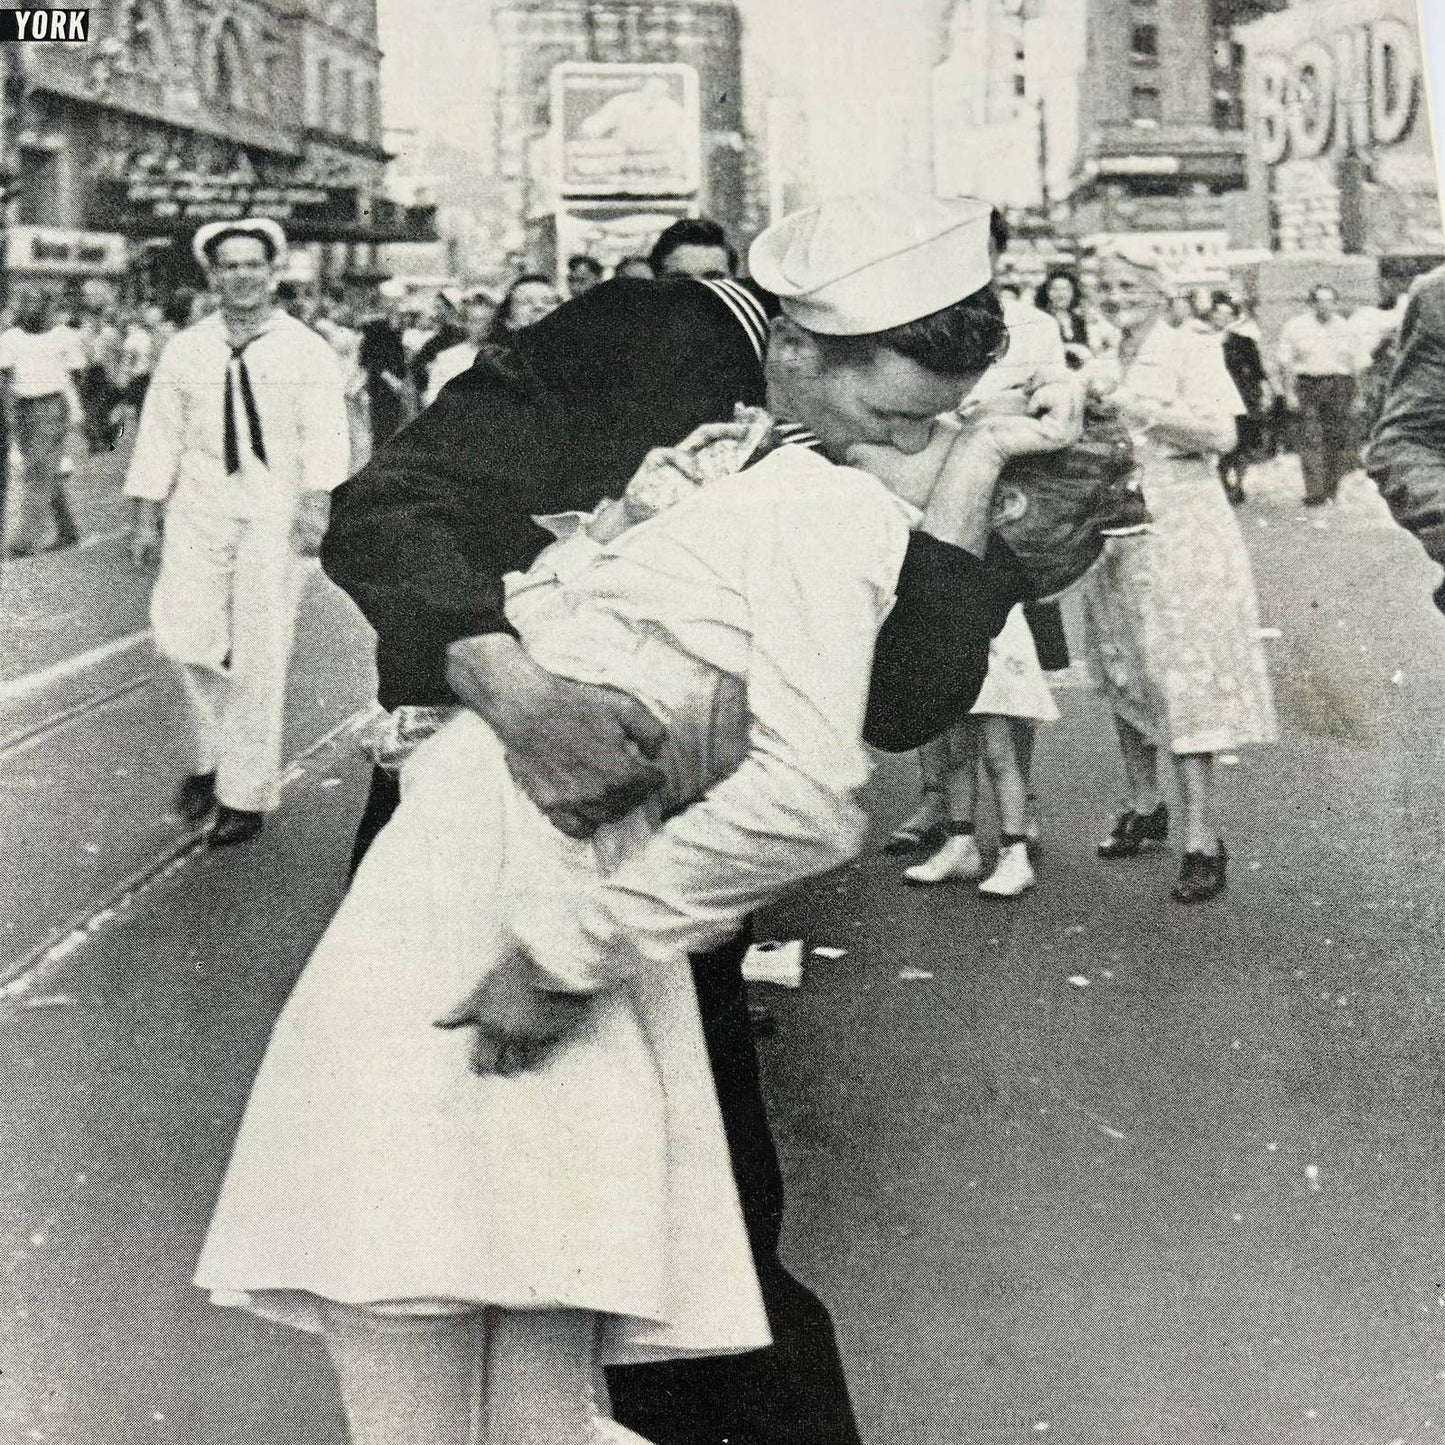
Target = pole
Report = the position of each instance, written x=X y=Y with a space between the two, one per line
x=1045 y=200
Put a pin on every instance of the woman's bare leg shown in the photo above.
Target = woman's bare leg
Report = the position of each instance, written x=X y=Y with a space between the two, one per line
x=408 y=1380
x=1195 y=772
x=1141 y=766
x=540 y=1378
x=1002 y=764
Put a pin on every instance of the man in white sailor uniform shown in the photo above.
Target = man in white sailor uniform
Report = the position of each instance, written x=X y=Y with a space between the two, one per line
x=241 y=442
x=869 y=302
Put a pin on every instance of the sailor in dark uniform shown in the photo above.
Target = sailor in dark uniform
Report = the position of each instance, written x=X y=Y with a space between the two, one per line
x=561 y=418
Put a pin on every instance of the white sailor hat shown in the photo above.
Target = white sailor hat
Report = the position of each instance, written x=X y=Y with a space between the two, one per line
x=873 y=260
x=263 y=228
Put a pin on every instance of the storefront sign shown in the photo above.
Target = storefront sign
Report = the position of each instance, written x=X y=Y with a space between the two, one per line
x=59 y=252
x=1192 y=258
x=1343 y=93
x=626 y=130
x=158 y=205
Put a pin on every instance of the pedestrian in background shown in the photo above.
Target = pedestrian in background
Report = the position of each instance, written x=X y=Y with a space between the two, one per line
x=447 y=330
x=242 y=438
x=1170 y=616
x=696 y=247
x=583 y=273
x=42 y=366
x=526 y=301
x=1059 y=297
x=477 y=314
x=1319 y=357
x=1406 y=454
x=391 y=396
x=634 y=268
x=1245 y=365
x=1013 y=691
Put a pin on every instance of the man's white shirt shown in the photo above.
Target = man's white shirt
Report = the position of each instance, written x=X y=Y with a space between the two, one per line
x=298 y=386
x=41 y=363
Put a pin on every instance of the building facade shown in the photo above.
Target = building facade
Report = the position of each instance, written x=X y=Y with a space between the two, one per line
x=663 y=41
x=177 y=112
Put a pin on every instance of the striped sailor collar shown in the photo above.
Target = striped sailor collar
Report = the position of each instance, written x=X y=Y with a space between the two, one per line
x=795 y=434
x=746 y=309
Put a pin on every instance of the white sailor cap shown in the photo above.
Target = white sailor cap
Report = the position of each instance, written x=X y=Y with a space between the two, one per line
x=873 y=260
x=262 y=228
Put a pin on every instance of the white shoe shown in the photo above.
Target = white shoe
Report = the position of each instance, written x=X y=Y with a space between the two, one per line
x=1013 y=873
x=958 y=858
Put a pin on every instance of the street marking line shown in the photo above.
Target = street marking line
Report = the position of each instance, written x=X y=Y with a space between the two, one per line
x=90 y=704
x=42 y=961
x=67 y=667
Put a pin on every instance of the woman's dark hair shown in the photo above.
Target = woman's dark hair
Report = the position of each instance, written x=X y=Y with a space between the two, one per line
x=1223 y=298
x=499 y=328
x=1078 y=330
x=961 y=340
x=584 y=262
x=1041 y=296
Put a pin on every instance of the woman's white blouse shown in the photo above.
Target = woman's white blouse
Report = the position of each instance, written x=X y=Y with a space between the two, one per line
x=779 y=577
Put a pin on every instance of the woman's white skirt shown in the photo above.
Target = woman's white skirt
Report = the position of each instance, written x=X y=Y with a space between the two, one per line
x=372 y=1167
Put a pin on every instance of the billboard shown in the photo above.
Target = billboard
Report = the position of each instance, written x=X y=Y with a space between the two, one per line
x=626 y=130
x=1338 y=137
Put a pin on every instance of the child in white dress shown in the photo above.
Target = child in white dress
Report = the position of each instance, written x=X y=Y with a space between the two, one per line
x=1014 y=688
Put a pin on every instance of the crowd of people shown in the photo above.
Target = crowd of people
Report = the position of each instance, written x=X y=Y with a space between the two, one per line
x=650 y=572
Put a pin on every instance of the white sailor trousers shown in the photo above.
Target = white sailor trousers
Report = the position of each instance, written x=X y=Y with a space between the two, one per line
x=224 y=613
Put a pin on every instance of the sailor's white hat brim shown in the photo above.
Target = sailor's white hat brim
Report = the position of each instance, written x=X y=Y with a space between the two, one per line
x=257 y=226
x=873 y=260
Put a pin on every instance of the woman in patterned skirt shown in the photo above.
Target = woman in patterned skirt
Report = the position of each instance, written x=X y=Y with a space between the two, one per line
x=1170 y=615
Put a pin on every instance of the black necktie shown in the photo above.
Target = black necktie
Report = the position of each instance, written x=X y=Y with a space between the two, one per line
x=253 y=417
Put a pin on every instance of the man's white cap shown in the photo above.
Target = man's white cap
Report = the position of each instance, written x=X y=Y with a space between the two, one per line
x=873 y=260
x=261 y=227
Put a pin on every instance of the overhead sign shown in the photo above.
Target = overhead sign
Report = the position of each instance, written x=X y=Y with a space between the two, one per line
x=1344 y=93
x=162 y=204
x=56 y=250
x=1193 y=258
x=610 y=230
x=626 y=130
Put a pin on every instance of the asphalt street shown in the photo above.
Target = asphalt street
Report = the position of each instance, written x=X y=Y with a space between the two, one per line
x=1078 y=1167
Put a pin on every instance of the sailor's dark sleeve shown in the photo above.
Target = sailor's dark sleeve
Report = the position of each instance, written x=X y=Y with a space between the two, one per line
x=421 y=536
x=932 y=652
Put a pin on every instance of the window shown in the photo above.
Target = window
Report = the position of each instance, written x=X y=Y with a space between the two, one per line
x=368 y=110
x=229 y=70
x=1144 y=105
x=1020 y=86
x=1144 y=44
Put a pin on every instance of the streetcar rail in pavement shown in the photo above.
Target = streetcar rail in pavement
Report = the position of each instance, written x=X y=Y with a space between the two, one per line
x=39 y=963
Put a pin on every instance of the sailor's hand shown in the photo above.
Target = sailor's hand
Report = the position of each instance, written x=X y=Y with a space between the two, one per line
x=308 y=526
x=515 y=1022
x=581 y=753
x=1056 y=402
